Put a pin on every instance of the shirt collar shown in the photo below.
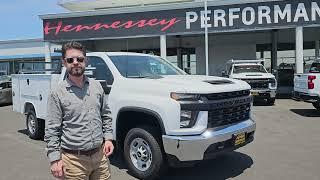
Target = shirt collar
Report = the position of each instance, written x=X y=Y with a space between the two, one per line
x=70 y=83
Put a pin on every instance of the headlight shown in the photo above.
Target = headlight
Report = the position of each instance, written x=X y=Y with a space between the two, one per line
x=251 y=110
x=185 y=97
x=273 y=83
x=188 y=118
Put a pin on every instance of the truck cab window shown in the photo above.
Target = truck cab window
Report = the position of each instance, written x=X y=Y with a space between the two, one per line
x=100 y=72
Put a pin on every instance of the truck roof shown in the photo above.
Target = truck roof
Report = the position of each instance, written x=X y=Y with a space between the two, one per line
x=248 y=64
x=121 y=53
x=245 y=61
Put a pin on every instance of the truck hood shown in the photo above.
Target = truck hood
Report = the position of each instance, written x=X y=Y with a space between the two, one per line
x=252 y=76
x=190 y=84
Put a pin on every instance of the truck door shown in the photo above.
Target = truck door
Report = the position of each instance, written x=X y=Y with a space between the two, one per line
x=101 y=72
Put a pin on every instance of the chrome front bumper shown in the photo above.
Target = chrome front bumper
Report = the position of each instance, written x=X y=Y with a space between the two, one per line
x=193 y=148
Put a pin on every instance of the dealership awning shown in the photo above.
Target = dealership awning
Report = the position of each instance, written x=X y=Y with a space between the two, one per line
x=183 y=20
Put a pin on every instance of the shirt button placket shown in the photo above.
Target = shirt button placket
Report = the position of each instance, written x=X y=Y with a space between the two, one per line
x=86 y=109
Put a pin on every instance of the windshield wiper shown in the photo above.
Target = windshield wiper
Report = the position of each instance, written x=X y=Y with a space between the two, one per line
x=147 y=77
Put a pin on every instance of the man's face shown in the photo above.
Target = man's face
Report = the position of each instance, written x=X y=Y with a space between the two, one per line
x=75 y=62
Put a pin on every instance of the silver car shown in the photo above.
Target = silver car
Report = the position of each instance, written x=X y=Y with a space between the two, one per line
x=5 y=90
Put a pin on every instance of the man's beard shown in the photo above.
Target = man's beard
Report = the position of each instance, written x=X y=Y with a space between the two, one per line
x=76 y=71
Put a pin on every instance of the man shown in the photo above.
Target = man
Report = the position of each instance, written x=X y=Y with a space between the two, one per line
x=78 y=130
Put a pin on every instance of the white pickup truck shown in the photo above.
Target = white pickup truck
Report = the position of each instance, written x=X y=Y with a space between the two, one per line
x=263 y=84
x=161 y=116
x=307 y=86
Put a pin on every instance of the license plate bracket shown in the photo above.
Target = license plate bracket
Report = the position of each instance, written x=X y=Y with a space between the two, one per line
x=239 y=139
x=254 y=93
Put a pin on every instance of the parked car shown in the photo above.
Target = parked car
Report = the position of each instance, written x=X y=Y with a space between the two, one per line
x=263 y=84
x=5 y=90
x=307 y=86
x=161 y=116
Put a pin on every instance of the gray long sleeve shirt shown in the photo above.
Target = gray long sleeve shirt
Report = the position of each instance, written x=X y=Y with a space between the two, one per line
x=78 y=118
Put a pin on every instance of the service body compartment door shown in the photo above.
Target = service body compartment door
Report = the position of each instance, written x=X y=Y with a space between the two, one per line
x=16 y=104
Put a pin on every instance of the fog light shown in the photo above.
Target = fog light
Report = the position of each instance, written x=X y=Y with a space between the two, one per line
x=188 y=118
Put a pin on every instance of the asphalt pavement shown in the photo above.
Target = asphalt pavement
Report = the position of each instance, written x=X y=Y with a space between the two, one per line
x=286 y=147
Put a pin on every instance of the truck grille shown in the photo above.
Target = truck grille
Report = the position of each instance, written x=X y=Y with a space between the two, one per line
x=258 y=83
x=223 y=108
x=230 y=115
x=227 y=95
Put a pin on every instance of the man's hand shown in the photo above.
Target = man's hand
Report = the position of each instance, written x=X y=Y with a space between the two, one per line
x=57 y=169
x=108 y=148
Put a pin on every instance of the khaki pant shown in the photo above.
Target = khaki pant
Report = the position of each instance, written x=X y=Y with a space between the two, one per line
x=82 y=167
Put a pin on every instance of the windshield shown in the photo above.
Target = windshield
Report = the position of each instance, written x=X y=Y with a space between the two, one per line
x=134 y=66
x=315 y=68
x=249 y=69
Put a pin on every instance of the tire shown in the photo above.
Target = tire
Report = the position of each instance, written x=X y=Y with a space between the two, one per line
x=35 y=126
x=316 y=105
x=147 y=140
x=271 y=101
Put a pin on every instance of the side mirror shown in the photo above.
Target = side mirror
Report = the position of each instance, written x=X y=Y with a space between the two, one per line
x=187 y=70
x=274 y=71
x=224 y=73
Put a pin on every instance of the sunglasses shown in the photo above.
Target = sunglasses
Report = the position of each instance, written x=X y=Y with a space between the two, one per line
x=79 y=59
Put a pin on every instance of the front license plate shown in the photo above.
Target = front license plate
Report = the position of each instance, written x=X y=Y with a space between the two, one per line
x=254 y=93
x=240 y=139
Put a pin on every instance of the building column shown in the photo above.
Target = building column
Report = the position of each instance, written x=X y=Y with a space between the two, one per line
x=274 y=51
x=299 y=49
x=179 y=58
x=206 y=37
x=163 y=46
x=47 y=55
x=317 y=46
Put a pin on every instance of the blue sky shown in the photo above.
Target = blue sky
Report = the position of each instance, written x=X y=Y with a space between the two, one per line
x=20 y=20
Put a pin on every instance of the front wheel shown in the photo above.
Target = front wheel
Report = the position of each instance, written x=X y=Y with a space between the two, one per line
x=316 y=105
x=35 y=127
x=143 y=154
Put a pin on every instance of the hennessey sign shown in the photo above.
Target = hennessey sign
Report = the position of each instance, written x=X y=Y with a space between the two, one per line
x=192 y=20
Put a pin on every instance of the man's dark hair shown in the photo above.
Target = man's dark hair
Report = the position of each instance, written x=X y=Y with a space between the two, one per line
x=72 y=45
